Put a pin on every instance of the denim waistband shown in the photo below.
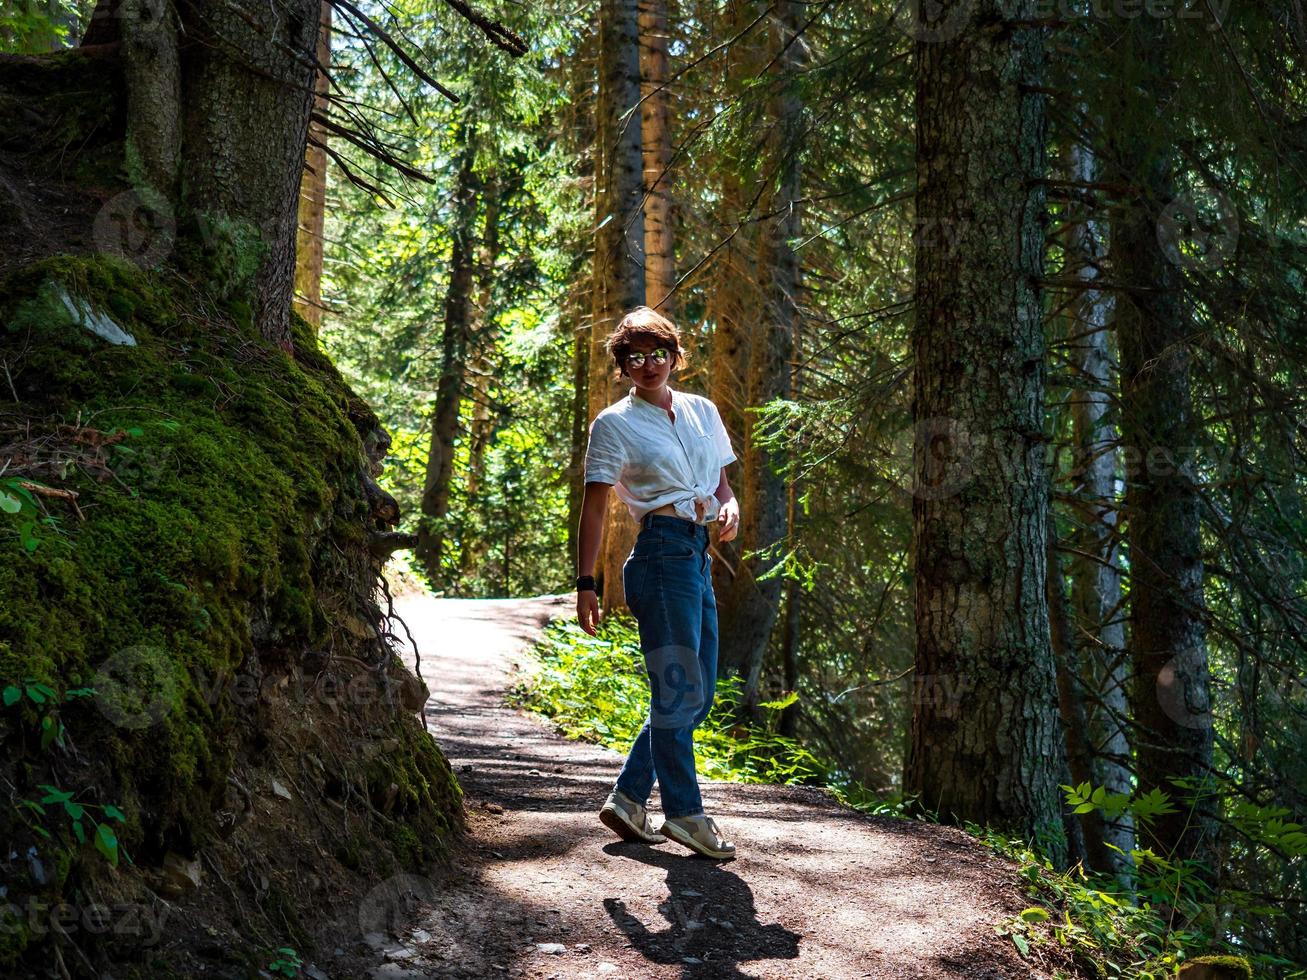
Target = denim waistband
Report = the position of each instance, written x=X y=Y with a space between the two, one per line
x=667 y=522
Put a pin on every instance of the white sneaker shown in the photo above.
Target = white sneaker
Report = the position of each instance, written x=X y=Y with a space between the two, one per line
x=628 y=820
x=699 y=833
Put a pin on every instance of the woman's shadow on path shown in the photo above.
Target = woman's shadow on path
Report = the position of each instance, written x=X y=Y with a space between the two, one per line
x=711 y=918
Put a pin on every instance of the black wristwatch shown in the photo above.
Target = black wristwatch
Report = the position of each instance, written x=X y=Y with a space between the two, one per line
x=585 y=583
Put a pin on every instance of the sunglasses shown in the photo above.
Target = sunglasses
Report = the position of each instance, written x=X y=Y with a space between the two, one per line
x=636 y=360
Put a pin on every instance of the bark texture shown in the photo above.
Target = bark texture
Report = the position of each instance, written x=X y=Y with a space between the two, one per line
x=985 y=738
x=659 y=237
x=753 y=602
x=247 y=82
x=1095 y=566
x=152 y=72
x=453 y=370
x=1170 y=687
x=313 y=190
x=619 y=280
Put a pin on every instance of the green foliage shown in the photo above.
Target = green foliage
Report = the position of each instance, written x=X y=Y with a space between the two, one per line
x=43 y=703
x=287 y=962
x=596 y=688
x=37 y=26
x=1108 y=931
x=19 y=502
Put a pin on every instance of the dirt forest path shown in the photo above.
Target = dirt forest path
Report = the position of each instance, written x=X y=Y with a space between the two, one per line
x=539 y=888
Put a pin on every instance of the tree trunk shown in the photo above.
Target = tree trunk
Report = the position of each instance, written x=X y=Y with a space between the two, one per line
x=152 y=73
x=660 y=258
x=619 y=280
x=485 y=335
x=754 y=600
x=732 y=298
x=313 y=191
x=453 y=359
x=586 y=149
x=1170 y=694
x=1095 y=566
x=985 y=733
x=1084 y=832
x=247 y=83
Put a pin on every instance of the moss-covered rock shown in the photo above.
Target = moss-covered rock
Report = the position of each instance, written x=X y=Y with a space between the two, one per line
x=183 y=523
x=1216 y=968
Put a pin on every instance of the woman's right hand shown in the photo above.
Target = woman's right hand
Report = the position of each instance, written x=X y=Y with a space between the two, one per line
x=587 y=610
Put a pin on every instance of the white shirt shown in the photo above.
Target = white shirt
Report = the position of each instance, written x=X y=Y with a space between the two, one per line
x=651 y=461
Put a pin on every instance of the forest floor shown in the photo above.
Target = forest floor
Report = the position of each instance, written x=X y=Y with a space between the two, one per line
x=539 y=888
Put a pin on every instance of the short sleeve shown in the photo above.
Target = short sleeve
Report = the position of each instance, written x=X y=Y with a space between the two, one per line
x=604 y=455
x=721 y=439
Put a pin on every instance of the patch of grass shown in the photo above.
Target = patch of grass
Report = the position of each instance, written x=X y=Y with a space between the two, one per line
x=594 y=688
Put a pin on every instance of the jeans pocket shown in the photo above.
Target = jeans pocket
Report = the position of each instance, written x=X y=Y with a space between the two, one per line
x=634 y=572
x=679 y=550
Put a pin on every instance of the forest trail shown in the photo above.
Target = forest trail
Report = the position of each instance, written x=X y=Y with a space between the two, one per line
x=539 y=888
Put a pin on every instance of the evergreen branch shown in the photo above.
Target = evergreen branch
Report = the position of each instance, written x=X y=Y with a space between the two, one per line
x=390 y=42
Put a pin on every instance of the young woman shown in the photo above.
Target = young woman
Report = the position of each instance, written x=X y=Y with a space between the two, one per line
x=665 y=451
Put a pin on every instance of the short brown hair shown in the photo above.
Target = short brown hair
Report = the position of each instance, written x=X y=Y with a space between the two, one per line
x=644 y=322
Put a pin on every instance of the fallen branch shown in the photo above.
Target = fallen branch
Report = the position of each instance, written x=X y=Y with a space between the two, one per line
x=56 y=492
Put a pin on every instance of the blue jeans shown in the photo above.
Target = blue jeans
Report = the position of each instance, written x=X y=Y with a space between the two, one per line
x=668 y=583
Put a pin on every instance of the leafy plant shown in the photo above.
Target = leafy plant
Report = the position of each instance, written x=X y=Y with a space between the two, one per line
x=46 y=701
x=17 y=499
x=288 y=962
x=103 y=835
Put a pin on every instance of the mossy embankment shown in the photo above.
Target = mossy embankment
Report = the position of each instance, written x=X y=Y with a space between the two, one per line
x=191 y=636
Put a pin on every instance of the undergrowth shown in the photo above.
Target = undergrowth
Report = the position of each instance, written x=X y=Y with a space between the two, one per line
x=594 y=688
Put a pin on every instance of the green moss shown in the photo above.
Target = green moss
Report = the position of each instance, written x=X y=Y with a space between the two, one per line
x=1236 y=966
x=226 y=466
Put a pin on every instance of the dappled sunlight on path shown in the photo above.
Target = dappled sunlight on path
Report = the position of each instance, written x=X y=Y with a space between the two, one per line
x=541 y=888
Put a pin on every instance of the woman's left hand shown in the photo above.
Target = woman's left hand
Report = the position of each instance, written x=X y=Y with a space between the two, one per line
x=729 y=516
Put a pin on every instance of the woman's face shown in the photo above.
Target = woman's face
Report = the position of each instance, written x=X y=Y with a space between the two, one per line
x=650 y=376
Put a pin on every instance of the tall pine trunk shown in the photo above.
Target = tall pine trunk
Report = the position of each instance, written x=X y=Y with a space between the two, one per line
x=453 y=369
x=1095 y=565
x=1170 y=687
x=583 y=139
x=733 y=296
x=619 y=280
x=484 y=336
x=247 y=84
x=985 y=741
x=659 y=238
x=754 y=600
x=313 y=191
x=222 y=95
